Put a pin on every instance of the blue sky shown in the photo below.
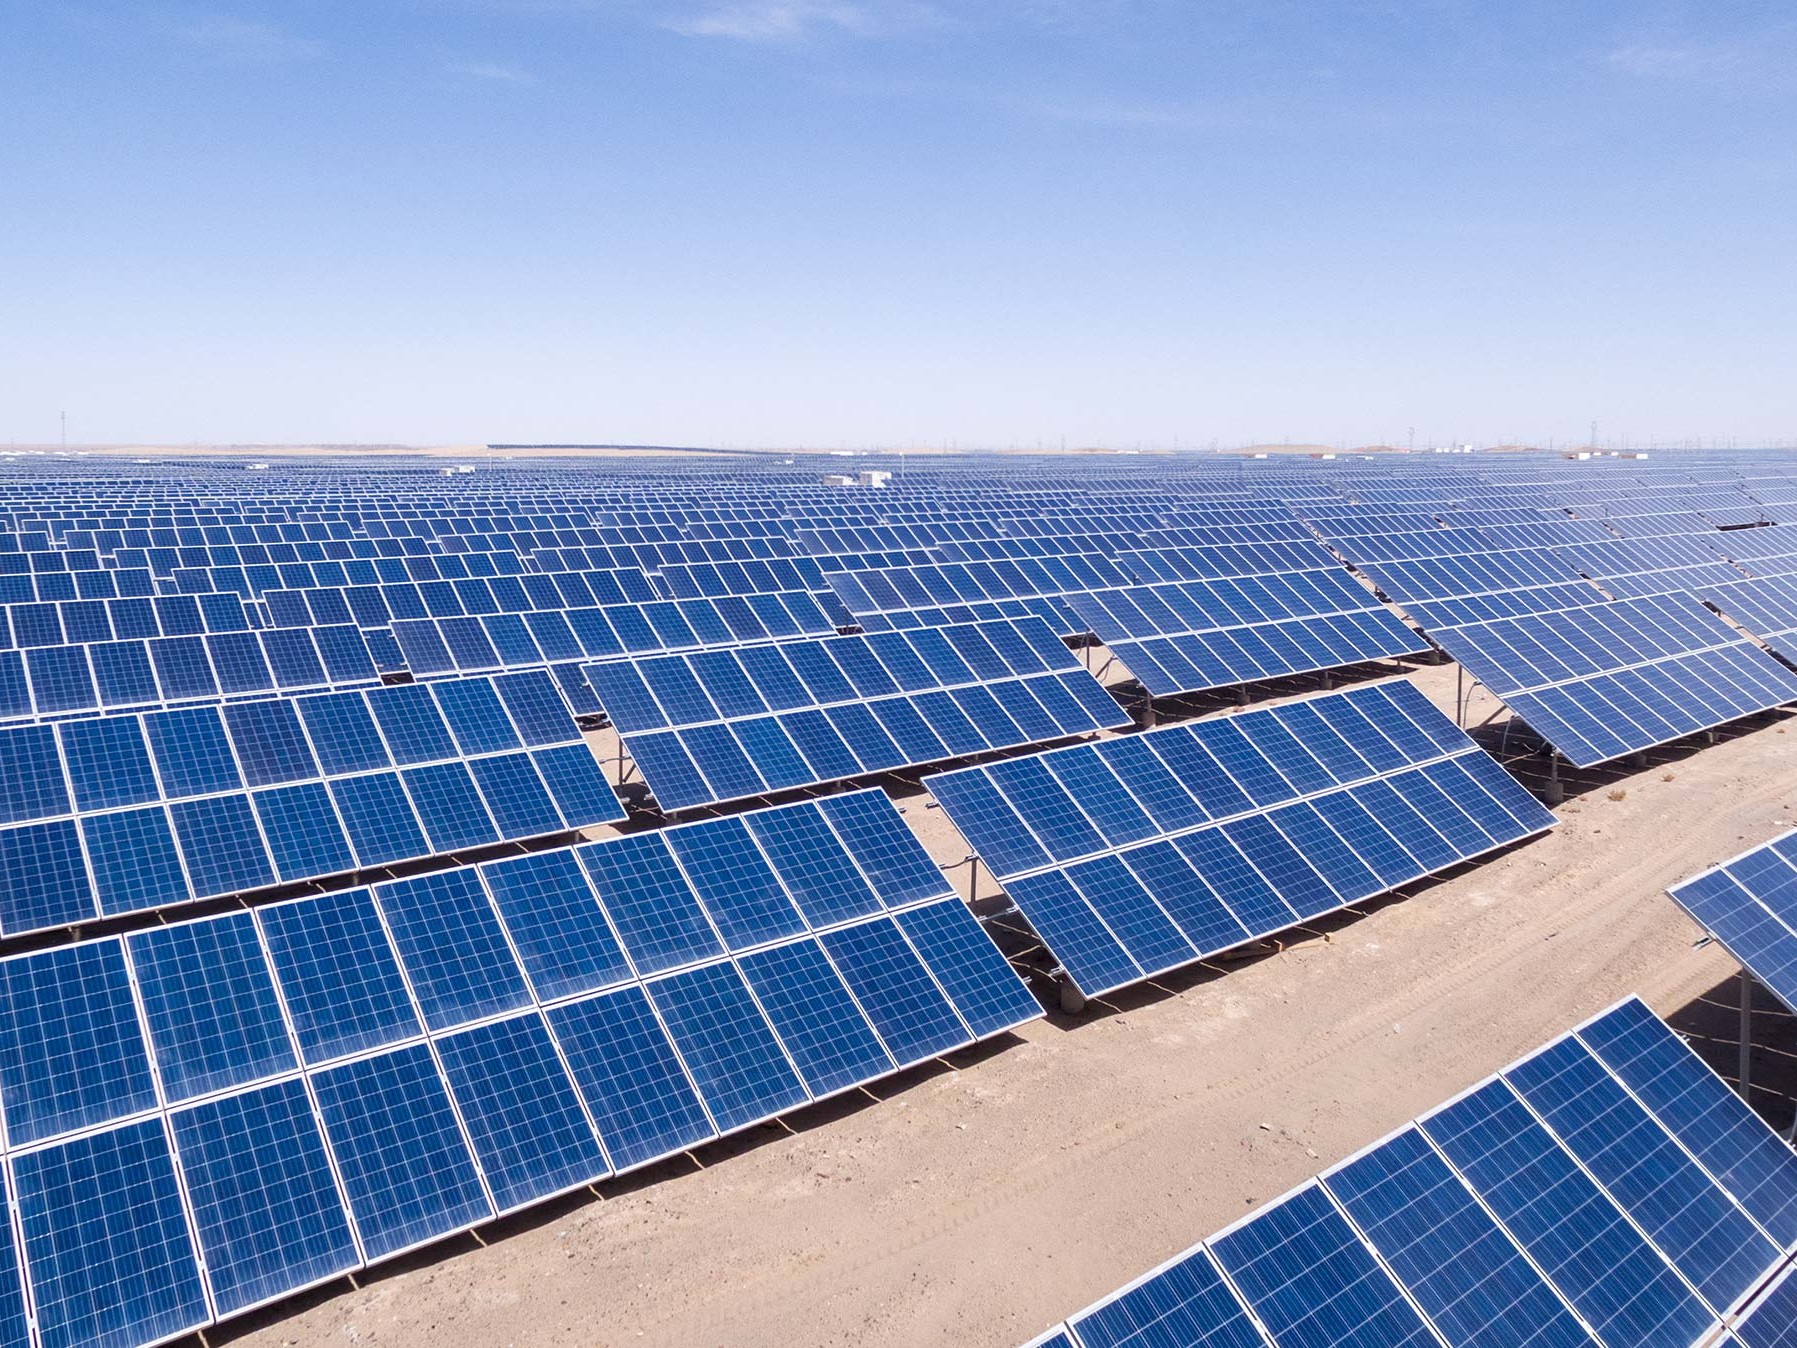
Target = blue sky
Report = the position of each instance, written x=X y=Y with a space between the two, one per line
x=816 y=222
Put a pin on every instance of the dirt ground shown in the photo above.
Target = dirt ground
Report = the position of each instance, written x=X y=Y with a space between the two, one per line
x=979 y=1201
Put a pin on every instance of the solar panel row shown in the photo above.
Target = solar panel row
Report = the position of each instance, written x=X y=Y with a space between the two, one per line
x=50 y=681
x=636 y=627
x=894 y=590
x=1217 y=560
x=79 y=621
x=512 y=640
x=204 y=1116
x=1614 y=678
x=1186 y=636
x=1607 y=1189
x=728 y=724
x=45 y=587
x=116 y=814
x=378 y=605
x=1766 y=607
x=702 y=580
x=1144 y=853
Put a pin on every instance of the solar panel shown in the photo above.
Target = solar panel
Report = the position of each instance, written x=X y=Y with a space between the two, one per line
x=729 y=724
x=1766 y=607
x=545 y=636
x=117 y=814
x=950 y=584
x=207 y=1115
x=1749 y=905
x=1137 y=855
x=1185 y=637
x=51 y=682
x=1615 y=678
x=1555 y=1205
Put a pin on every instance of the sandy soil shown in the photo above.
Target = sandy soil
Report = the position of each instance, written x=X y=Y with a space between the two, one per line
x=984 y=1199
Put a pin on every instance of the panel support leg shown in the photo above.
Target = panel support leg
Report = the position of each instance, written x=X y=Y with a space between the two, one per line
x=1073 y=1001
x=1460 y=695
x=1241 y=695
x=1555 y=792
x=1745 y=1069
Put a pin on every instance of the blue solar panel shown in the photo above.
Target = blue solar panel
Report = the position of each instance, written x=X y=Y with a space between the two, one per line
x=735 y=1061
x=265 y=1202
x=455 y=953
x=803 y=995
x=1306 y=1275
x=560 y=934
x=338 y=974
x=1560 y=1217
x=1185 y=1305
x=635 y=1087
x=1480 y=1226
x=1717 y=1127
x=351 y=1074
x=1750 y=906
x=722 y=726
x=1187 y=636
x=1620 y=677
x=1123 y=878
x=210 y=1005
x=1687 y=1215
x=72 y=1052
x=254 y=793
x=529 y=1131
x=107 y=1248
x=1449 y=1252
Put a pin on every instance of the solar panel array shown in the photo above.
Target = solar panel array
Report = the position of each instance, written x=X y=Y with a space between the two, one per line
x=202 y=1116
x=729 y=724
x=1613 y=679
x=104 y=815
x=1608 y=1189
x=1187 y=636
x=205 y=1116
x=1750 y=906
x=1140 y=854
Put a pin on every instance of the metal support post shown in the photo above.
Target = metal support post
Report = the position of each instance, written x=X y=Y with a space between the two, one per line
x=1555 y=792
x=1745 y=1071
